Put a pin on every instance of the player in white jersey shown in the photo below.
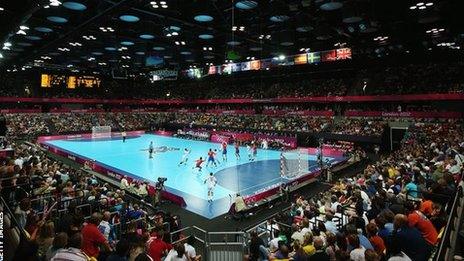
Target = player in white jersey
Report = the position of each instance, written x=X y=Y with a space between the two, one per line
x=211 y=182
x=248 y=147
x=185 y=156
x=264 y=144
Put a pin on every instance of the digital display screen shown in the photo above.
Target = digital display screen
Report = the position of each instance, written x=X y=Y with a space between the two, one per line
x=70 y=81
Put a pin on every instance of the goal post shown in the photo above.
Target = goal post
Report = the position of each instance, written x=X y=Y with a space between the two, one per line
x=101 y=132
x=294 y=163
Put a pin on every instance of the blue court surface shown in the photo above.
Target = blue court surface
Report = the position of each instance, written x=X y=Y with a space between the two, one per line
x=131 y=158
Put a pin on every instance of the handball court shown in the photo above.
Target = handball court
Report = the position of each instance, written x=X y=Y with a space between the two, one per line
x=234 y=176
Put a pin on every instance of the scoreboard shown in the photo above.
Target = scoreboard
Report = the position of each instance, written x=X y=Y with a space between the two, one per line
x=70 y=81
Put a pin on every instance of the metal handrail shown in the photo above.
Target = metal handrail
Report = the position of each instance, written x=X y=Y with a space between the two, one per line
x=440 y=254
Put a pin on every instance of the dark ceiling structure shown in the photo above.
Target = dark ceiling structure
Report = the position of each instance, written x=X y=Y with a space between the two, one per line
x=102 y=35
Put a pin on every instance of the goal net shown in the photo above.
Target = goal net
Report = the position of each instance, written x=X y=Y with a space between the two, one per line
x=294 y=163
x=101 y=132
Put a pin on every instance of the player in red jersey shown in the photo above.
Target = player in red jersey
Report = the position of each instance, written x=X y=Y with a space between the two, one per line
x=211 y=155
x=237 y=150
x=224 y=151
x=198 y=163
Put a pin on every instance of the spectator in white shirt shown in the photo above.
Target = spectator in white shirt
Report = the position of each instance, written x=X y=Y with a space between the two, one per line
x=177 y=254
x=104 y=226
x=190 y=250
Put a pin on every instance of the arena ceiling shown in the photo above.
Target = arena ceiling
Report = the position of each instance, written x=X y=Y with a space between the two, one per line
x=101 y=35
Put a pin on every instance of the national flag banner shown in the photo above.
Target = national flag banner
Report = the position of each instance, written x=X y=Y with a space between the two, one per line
x=328 y=56
x=301 y=58
x=227 y=68
x=235 y=67
x=212 y=70
x=343 y=53
x=255 y=65
x=314 y=57
x=246 y=66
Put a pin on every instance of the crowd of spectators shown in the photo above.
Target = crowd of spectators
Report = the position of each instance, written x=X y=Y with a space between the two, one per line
x=394 y=210
x=59 y=123
x=364 y=127
x=413 y=78
x=69 y=214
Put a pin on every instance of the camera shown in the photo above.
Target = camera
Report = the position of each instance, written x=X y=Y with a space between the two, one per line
x=160 y=183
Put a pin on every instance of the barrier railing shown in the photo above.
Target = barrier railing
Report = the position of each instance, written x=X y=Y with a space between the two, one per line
x=200 y=235
x=447 y=246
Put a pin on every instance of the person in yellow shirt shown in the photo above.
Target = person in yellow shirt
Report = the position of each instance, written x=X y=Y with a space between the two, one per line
x=308 y=246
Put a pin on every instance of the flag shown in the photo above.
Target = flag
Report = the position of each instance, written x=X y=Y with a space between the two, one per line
x=255 y=65
x=246 y=66
x=343 y=53
x=227 y=68
x=329 y=56
x=301 y=58
x=314 y=57
x=235 y=67
x=212 y=70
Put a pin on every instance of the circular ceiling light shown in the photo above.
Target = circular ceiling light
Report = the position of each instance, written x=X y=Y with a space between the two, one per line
x=330 y=6
x=206 y=36
x=279 y=18
x=129 y=18
x=186 y=53
x=352 y=19
x=110 y=48
x=147 y=36
x=74 y=6
x=140 y=53
x=57 y=19
x=127 y=43
x=159 y=48
x=97 y=53
x=304 y=29
x=43 y=29
x=174 y=28
x=203 y=18
x=33 y=37
x=233 y=43
x=246 y=5
x=25 y=44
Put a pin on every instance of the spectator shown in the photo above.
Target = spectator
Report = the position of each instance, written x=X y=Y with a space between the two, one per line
x=357 y=254
x=59 y=242
x=417 y=248
x=156 y=247
x=190 y=250
x=320 y=254
x=177 y=253
x=92 y=238
x=121 y=252
x=73 y=252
